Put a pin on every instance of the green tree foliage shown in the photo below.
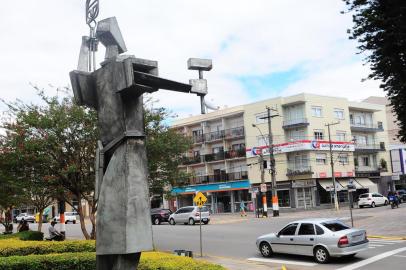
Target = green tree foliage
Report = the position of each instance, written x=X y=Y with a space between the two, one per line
x=50 y=148
x=380 y=28
x=165 y=150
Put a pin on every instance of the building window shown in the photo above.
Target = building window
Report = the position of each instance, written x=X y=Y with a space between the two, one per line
x=196 y=154
x=318 y=135
x=262 y=140
x=343 y=159
x=218 y=149
x=339 y=113
x=365 y=161
x=260 y=118
x=238 y=146
x=340 y=136
x=321 y=159
x=316 y=111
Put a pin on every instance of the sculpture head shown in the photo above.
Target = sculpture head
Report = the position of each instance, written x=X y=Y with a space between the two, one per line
x=110 y=36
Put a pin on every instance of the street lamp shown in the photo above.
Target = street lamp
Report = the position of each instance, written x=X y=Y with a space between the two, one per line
x=262 y=169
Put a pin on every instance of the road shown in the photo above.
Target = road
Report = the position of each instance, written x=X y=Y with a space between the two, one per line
x=230 y=240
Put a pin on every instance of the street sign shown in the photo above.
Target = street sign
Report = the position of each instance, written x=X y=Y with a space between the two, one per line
x=263 y=187
x=200 y=199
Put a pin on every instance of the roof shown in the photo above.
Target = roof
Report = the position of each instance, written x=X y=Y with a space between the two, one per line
x=315 y=220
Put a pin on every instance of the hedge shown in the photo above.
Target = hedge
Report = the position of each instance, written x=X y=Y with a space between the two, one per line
x=87 y=261
x=14 y=247
x=25 y=236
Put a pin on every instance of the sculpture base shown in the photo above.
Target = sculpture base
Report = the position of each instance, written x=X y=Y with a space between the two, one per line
x=118 y=262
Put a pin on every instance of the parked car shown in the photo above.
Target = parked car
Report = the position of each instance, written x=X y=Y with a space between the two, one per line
x=159 y=215
x=190 y=215
x=402 y=195
x=320 y=238
x=24 y=216
x=372 y=200
x=69 y=217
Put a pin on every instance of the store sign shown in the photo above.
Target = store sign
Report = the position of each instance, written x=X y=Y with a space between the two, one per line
x=304 y=183
x=322 y=175
x=337 y=174
x=302 y=145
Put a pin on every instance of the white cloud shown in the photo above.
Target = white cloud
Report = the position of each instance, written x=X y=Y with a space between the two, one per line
x=244 y=38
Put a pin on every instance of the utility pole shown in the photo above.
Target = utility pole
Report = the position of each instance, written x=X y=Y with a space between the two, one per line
x=332 y=165
x=261 y=166
x=275 y=203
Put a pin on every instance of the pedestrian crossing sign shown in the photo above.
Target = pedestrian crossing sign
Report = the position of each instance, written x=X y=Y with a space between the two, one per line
x=200 y=199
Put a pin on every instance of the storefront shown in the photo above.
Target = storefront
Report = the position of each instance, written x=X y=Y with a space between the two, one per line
x=326 y=191
x=221 y=197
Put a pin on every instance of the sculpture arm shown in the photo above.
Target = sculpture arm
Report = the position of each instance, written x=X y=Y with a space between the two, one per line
x=83 y=88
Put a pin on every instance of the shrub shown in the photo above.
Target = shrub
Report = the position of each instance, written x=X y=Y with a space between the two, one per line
x=87 y=261
x=25 y=236
x=14 y=247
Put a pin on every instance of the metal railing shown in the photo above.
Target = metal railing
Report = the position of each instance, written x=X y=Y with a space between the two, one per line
x=191 y=160
x=235 y=153
x=295 y=122
x=367 y=126
x=294 y=169
x=214 y=136
x=231 y=133
x=218 y=178
x=235 y=132
x=370 y=147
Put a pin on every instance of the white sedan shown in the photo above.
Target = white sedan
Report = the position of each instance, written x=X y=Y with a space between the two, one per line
x=320 y=238
x=372 y=200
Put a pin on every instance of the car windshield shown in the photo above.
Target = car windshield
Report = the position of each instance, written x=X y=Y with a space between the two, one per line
x=335 y=226
x=364 y=196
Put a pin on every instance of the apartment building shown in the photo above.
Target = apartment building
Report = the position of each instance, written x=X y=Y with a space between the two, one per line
x=216 y=162
x=224 y=160
x=396 y=147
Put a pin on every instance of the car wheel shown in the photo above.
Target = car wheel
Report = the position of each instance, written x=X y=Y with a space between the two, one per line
x=265 y=249
x=321 y=255
x=157 y=221
x=191 y=221
x=373 y=204
x=361 y=206
x=172 y=221
x=206 y=222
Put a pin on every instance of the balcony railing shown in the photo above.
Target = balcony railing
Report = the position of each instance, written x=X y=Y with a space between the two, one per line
x=214 y=156
x=237 y=132
x=366 y=126
x=191 y=160
x=298 y=170
x=235 y=153
x=218 y=178
x=367 y=171
x=214 y=136
x=371 y=147
x=198 y=138
x=299 y=122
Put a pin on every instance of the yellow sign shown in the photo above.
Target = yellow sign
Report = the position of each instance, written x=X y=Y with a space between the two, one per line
x=200 y=199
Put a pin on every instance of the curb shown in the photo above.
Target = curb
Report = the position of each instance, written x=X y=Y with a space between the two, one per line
x=387 y=237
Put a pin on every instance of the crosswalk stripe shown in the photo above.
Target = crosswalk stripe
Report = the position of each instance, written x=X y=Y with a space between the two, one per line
x=281 y=261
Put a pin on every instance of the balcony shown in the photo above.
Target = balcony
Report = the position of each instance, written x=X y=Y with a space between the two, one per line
x=191 y=160
x=198 y=138
x=214 y=136
x=366 y=127
x=239 y=153
x=234 y=133
x=214 y=157
x=369 y=148
x=367 y=171
x=298 y=170
x=295 y=123
x=218 y=178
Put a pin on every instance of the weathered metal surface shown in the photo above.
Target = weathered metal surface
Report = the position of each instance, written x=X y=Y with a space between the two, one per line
x=199 y=64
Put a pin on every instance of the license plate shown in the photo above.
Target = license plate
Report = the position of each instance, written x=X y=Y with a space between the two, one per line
x=204 y=219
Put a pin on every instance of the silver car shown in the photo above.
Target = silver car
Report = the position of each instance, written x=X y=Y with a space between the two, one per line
x=190 y=215
x=320 y=238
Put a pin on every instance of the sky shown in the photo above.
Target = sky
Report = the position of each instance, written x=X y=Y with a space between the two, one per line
x=260 y=48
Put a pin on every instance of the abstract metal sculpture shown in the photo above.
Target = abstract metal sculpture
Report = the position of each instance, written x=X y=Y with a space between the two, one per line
x=115 y=90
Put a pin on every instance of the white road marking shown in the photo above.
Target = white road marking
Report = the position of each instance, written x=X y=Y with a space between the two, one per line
x=373 y=245
x=372 y=259
x=402 y=256
x=281 y=261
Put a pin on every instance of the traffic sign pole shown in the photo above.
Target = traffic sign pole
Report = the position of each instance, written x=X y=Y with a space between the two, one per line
x=201 y=244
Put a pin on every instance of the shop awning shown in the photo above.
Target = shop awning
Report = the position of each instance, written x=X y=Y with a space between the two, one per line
x=366 y=183
x=213 y=187
x=344 y=183
x=327 y=184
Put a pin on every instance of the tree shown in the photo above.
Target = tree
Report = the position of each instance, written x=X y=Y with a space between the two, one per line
x=165 y=150
x=56 y=145
x=53 y=146
x=380 y=28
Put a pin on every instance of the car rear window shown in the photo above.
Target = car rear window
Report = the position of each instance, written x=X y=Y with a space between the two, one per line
x=335 y=226
x=364 y=195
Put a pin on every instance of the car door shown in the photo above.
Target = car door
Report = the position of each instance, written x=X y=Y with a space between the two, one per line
x=305 y=239
x=284 y=241
x=178 y=215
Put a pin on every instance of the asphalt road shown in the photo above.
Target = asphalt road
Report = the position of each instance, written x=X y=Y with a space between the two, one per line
x=234 y=240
